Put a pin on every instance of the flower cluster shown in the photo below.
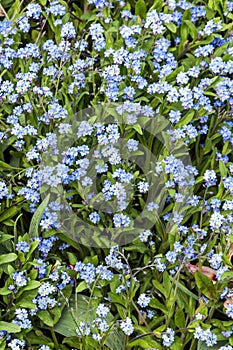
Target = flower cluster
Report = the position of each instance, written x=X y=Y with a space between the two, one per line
x=147 y=161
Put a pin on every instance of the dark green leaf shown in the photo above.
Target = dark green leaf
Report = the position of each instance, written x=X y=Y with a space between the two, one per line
x=157 y=305
x=205 y=285
x=67 y=326
x=9 y=213
x=202 y=346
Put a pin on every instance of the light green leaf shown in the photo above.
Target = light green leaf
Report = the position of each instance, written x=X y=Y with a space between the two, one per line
x=180 y=318
x=171 y=26
x=145 y=343
x=31 y=285
x=72 y=258
x=33 y=229
x=140 y=9
x=138 y=128
x=7 y=166
x=7 y=258
x=222 y=168
x=82 y=286
x=9 y=327
x=45 y=316
x=192 y=29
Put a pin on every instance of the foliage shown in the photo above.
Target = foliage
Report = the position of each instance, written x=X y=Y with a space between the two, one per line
x=116 y=169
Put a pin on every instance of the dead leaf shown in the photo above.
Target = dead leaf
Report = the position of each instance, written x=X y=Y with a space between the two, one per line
x=205 y=270
x=230 y=253
x=2 y=12
x=227 y=302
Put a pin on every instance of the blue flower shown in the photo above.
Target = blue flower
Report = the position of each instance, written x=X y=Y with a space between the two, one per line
x=19 y=278
x=22 y=246
x=144 y=300
x=143 y=186
x=94 y=217
x=33 y=11
x=206 y=336
x=121 y=220
x=17 y=344
x=168 y=337
x=127 y=326
x=56 y=9
x=68 y=31
x=4 y=192
x=210 y=178
x=102 y=310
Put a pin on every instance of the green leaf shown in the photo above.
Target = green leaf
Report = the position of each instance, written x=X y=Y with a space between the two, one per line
x=140 y=9
x=161 y=288
x=157 y=5
x=186 y=119
x=7 y=166
x=157 y=305
x=115 y=340
x=72 y=341
x=222 y=168
x=217 y=5
x=5 y=291
x=88 y=16
x=82 y=286
x=66 y=325
x=209 y=13
x=45 y=316
x=145 y=343
x=7 y=258
x=205 y=285
x=14 y=9
x=26 y=304
x=9 y=327
x=2 y=345
x=5 y=238
x=33 y=229
x=33 y=247
x=171 y=26
x=136 y=127
x=56 y=312
x=31 y=285
x=35 y=34
x=192 y=29
x=202 y=346
x=180 y=318
x=117 y=299
x=72 y=258
x=177 y=344
x=9 y=213
x=184 y=32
